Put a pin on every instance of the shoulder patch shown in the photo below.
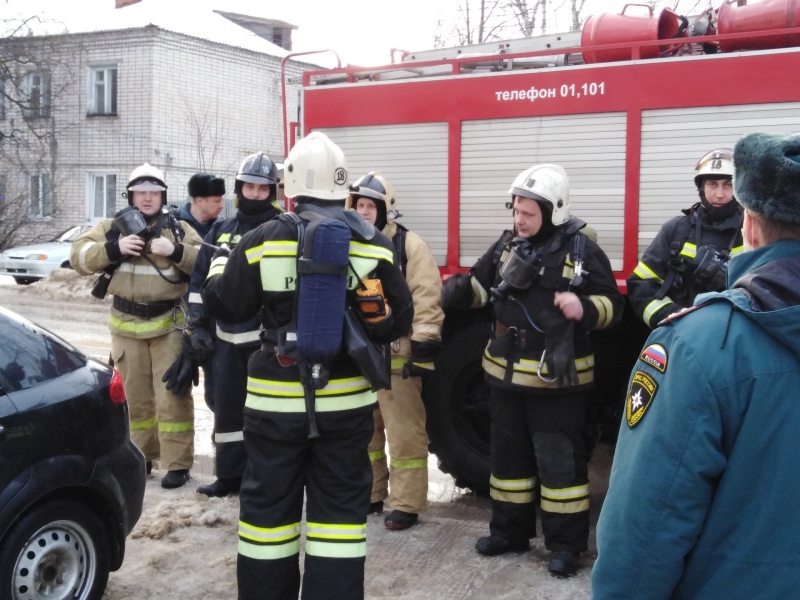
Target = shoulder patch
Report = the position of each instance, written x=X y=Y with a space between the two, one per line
x=640 y=395
x=655 y=355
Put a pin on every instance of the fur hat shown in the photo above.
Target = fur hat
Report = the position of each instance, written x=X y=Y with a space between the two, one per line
x=203 y=185
x=767 y=175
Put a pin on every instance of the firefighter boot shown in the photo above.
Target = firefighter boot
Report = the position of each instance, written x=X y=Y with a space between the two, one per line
x=493 y=545
x=175 y=479
x=398 y=520
x=564 y=563
x=222 y=487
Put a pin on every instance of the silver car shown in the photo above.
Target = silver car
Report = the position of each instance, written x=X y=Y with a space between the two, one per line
x=27 y=264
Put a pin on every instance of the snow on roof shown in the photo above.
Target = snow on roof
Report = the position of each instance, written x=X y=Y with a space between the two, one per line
x=190 y=17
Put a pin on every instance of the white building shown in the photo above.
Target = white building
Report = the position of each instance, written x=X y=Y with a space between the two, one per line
x=184 y=94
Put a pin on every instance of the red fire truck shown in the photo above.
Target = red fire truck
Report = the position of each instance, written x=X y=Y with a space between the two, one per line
x=627 y=106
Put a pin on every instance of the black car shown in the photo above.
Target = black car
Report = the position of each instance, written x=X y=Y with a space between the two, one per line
x=71 y=481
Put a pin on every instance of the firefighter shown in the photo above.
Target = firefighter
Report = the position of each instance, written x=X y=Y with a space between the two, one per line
x=146 y=257
x=400 y=415
x=550 y=286
x=231 y=344
x=690 y=254
x=282 y=411
x=201 y=212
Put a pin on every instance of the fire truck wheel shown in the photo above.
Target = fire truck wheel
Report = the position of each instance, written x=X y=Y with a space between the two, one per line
x=457 y=404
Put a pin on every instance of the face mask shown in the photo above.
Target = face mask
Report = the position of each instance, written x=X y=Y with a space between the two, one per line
x=254 y=207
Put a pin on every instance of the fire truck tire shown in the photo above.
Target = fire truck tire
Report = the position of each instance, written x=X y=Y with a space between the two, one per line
x=457 y=404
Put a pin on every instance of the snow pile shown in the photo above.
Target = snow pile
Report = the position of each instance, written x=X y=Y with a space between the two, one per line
x=199 y=511
x=64 y=284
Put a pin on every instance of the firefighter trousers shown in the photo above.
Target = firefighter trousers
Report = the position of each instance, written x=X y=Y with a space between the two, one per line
x=333 y=471
x=400 y=417
x=538 y=445
x=162 y=423
x=230 y=392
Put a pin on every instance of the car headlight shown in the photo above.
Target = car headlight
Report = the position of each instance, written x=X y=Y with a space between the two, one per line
x=36 y=257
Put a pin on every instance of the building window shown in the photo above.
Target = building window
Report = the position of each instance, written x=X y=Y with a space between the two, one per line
x=102 y=195
x=103 y=90
x=41 y=196
x=37 y=91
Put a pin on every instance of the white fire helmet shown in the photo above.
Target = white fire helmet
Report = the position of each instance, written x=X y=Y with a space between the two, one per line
x=316 y=168
x=717 y=164
x=545 y=183
x=146 y=178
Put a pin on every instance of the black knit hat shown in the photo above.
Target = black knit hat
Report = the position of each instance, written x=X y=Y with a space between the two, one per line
x=766 y=176
x=203 y=185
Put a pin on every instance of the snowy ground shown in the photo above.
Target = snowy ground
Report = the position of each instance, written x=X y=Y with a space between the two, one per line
x=184 y=546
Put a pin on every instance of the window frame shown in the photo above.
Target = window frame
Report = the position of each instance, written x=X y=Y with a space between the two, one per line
x=44 y=200
x=110 y=90
x=42 y=110
x=91 y=177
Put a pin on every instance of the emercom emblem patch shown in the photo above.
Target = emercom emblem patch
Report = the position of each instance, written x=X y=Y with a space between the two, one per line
x=655 y=355
x=640 y=396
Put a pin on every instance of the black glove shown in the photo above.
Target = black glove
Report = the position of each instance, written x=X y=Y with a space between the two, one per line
x=421 y=361
x=201 y=342
x=183 y=373
x=457 y=293
x=559 y=355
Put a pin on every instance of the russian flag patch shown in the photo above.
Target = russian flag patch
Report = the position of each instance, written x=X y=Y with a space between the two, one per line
x=655 y=355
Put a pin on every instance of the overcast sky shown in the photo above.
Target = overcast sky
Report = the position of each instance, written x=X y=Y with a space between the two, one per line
x=361 y=31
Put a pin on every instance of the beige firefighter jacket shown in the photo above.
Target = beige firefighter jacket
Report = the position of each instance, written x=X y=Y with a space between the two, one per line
x=425 y=283
x=137 y=280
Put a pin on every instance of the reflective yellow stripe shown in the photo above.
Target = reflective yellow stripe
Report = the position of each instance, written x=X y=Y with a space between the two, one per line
x=146 y=424
x=512 y=484
x=321 y=403
x=565 y=508
x=512 y=497
x=271 y=248
x=570 y=493
x=737 y=250
x=273 y=387
x=269 y=551
x=269 y=534
x=398 y=362
x=515 y=491
x=144 y=326
x=525 y=371
x=642 y=271
x=653 y=307
x=335 y=550
x=605 y=311
x=371 y=251
x=176 y=427
x=217 y=267
x=689 y=250
x=336 y=531
x=377 y=455
x=279 y=273
x=409 y=463
x=479 y=295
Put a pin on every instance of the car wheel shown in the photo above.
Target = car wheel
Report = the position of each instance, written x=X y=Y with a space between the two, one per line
x=457 y=405
x=59 y=550
x=24 y=280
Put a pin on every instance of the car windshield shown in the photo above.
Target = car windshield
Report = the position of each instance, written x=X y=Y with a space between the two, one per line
x=70 y=234
x=29 y=355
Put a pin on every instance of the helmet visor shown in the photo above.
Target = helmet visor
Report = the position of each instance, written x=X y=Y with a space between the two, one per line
x=369 y=186
x=147 y=185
